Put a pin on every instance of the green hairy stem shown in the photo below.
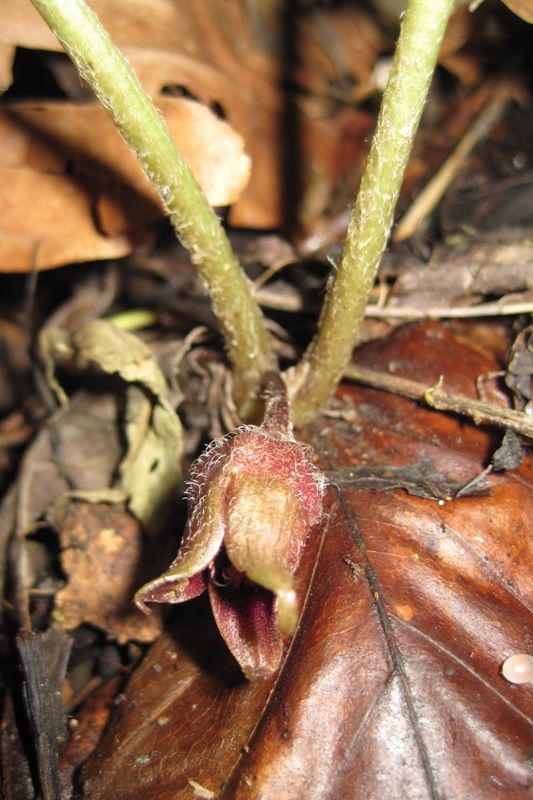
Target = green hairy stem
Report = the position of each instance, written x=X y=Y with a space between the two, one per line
x=315 y=379
x=117 y=87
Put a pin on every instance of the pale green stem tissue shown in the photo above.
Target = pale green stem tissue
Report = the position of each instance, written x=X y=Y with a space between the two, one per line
x=315 y=379
x=117 y=87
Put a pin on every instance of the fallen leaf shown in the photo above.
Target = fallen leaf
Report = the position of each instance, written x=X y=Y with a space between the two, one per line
x=520 y=369
x=523 y=8
x=234 y=55
x=73 y=191
x=392 y=686
x=464 y=276
x=103 y=553
x=78 y=450
x=78 y=454
x=90 y=724
x=60 y=231
x=150 y=471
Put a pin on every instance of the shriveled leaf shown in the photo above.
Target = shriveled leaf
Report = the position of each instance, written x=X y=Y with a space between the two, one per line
x=79 y=450
x=499 y=214
x=510 y=452
x=73 y=187
x=420 y=479
x=151 y=469
x=392 y=685
x=103 y=553
x=520 y=369
x=100 y=343
x=76 y=452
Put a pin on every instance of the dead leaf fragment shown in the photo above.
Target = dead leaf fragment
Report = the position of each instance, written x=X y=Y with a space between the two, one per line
x=73 y=191
x=151 y=469
x=50 y=135
x=522 y=8
x=232 y=54
x=47 y=221
x=102 y=553
x=44 y=657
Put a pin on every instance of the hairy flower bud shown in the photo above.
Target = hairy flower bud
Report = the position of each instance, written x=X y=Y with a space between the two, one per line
x=253 y=497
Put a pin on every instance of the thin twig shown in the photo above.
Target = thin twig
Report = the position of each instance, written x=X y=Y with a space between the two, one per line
x=462 y=312
x=436 y=397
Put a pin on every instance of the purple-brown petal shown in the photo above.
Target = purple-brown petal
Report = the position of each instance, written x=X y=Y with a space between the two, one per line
x=202 y=540
x=168 y=589
x=253 y=498
x=247 y=622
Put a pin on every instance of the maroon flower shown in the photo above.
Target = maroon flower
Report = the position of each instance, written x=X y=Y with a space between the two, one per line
x=253 y=497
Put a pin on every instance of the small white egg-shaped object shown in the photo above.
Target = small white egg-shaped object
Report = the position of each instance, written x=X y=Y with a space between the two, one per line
x=518 y=668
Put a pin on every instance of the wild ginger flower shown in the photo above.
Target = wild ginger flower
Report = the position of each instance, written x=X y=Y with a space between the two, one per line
x=253 y=497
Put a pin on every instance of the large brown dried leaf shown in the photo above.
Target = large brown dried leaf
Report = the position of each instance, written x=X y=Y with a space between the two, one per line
x=73 y=191
x=236 y=55
x=392 y=685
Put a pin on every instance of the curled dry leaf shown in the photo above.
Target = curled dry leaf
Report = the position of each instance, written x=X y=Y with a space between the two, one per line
x=73 y=191
x=59 y=232
x=103 y=549
x=43 y=658
x=479 y=270
x=392 y=686
x=150 y=471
